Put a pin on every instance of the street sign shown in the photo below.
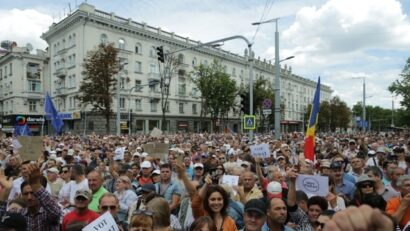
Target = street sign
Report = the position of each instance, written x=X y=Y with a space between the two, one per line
x=267 y=104
x=249 y=122
x=267 y=111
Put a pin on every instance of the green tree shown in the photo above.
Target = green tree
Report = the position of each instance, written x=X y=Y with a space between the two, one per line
x=218 y=90
x=99 y=82
x=333 y=115
x=402 y=86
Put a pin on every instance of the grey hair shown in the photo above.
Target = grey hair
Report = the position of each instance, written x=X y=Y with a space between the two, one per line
x=402 y=179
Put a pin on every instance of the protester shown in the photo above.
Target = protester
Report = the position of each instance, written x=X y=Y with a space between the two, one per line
x=81 y=212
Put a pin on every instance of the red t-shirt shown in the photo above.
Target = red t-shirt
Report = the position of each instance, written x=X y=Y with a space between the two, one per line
x=88 y=216
x=142 y=180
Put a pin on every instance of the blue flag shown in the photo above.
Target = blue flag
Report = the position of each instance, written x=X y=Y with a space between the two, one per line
x=21 y=130
x=51 y=114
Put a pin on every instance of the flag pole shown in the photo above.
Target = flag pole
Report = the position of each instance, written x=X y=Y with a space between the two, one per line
x=44 y=117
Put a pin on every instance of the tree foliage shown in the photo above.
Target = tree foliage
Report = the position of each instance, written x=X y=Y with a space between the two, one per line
x=402 y=86
x=218 y=90
x=99 y=82
x=333 y=115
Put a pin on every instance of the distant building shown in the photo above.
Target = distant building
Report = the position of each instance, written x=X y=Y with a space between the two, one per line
x=70 y=39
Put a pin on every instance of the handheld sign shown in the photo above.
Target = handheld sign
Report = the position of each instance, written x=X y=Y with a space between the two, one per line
x=104 y=223
x=230 y=180
x=260 y=150
x=313 y=185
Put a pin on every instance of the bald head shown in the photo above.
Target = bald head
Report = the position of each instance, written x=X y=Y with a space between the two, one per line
x=95 y=181
x=248 y=180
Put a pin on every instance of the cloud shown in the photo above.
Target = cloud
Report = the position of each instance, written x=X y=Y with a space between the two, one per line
x=24 y=26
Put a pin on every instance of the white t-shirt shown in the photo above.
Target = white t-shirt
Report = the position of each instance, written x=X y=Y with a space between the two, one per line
x=83 y=185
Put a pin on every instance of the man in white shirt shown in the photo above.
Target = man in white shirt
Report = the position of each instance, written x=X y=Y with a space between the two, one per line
x=16 y=189
x=80 y=182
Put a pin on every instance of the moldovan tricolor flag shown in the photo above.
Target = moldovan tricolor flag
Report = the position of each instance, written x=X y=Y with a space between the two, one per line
x=310 y=133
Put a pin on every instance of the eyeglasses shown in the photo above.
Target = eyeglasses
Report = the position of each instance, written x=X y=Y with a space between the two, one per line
x=317 y=223
x=143 y=212
x=366 y=185
x=106 y=207
x=65 y=171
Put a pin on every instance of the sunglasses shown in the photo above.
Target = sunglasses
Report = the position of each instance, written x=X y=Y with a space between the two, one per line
x=366 y=185
x=106 y=207
x=81 y=198
x=317 y=223
x=143 y=212
x=65 y=171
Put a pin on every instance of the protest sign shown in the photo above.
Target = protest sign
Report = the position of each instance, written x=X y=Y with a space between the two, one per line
x=230 y=180
x=119 y=153
x=156 y=133
x=31 y=147
x=104 y=223
x=156 y=150
x=313 y=185
x=260 y=150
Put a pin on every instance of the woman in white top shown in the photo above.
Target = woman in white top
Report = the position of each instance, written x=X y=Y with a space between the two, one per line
x=125 y=195
x=334 y=201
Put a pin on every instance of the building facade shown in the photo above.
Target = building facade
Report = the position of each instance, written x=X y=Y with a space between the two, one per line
x=70 y=39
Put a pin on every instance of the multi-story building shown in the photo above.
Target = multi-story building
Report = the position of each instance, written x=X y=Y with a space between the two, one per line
x=22 y=86
x=70 y=39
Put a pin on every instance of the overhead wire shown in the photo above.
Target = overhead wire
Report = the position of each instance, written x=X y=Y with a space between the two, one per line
x=266 y=10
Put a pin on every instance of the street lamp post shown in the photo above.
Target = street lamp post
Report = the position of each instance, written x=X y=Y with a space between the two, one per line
x=118 y=99
x=277 y=76
x=364 y=102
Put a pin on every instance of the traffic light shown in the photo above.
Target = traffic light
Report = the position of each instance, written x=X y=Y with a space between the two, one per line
x=245 y=103
x=160 y=53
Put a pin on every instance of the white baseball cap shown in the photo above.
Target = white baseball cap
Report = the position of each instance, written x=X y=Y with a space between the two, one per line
x=146 y=164
x=198 y=165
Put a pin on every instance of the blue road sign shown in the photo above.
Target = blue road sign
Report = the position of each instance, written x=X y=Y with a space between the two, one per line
x=249 y=122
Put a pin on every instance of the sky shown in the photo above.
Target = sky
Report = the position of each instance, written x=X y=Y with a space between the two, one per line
x=345 y=42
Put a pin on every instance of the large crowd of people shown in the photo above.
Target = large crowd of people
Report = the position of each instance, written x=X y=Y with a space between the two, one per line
x=74 y=180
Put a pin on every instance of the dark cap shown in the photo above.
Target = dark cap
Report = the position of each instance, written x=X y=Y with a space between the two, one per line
x=256 y=205
x=14 y=221
x=148 y=188
x=336 y=165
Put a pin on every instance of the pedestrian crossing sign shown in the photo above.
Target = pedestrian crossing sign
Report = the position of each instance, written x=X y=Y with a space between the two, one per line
x=249 y=122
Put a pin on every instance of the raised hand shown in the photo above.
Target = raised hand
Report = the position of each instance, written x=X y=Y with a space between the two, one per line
x=34 y=174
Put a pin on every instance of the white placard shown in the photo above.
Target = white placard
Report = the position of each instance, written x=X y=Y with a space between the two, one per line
x=119 y=153
x=313 y=185
x=230 y=180
x=260 y=150
x=104 y=223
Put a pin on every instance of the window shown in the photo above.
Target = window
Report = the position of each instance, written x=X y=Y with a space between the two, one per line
x=138 y=48
x=234 y=72
x=34 y=86
x=69 y=40
x=194 y=111
x=138 y=67
x=121 y=44
x=33 y=70
x=71 y=81
x=154 y=106
x=205 y=63
x=63 y=44
x=181 y=86
x=72 y=102
x=1 y=73
x=103 y=39
x=5 y=71
x=122 y=83
x=72 y=60
x=181 y=108
x=11 y=68
x=122 y=102
x=152 y=52
x=32 y=105
x=153 y=68
x=138 y=85
x=138 y=106
x=180 y=58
